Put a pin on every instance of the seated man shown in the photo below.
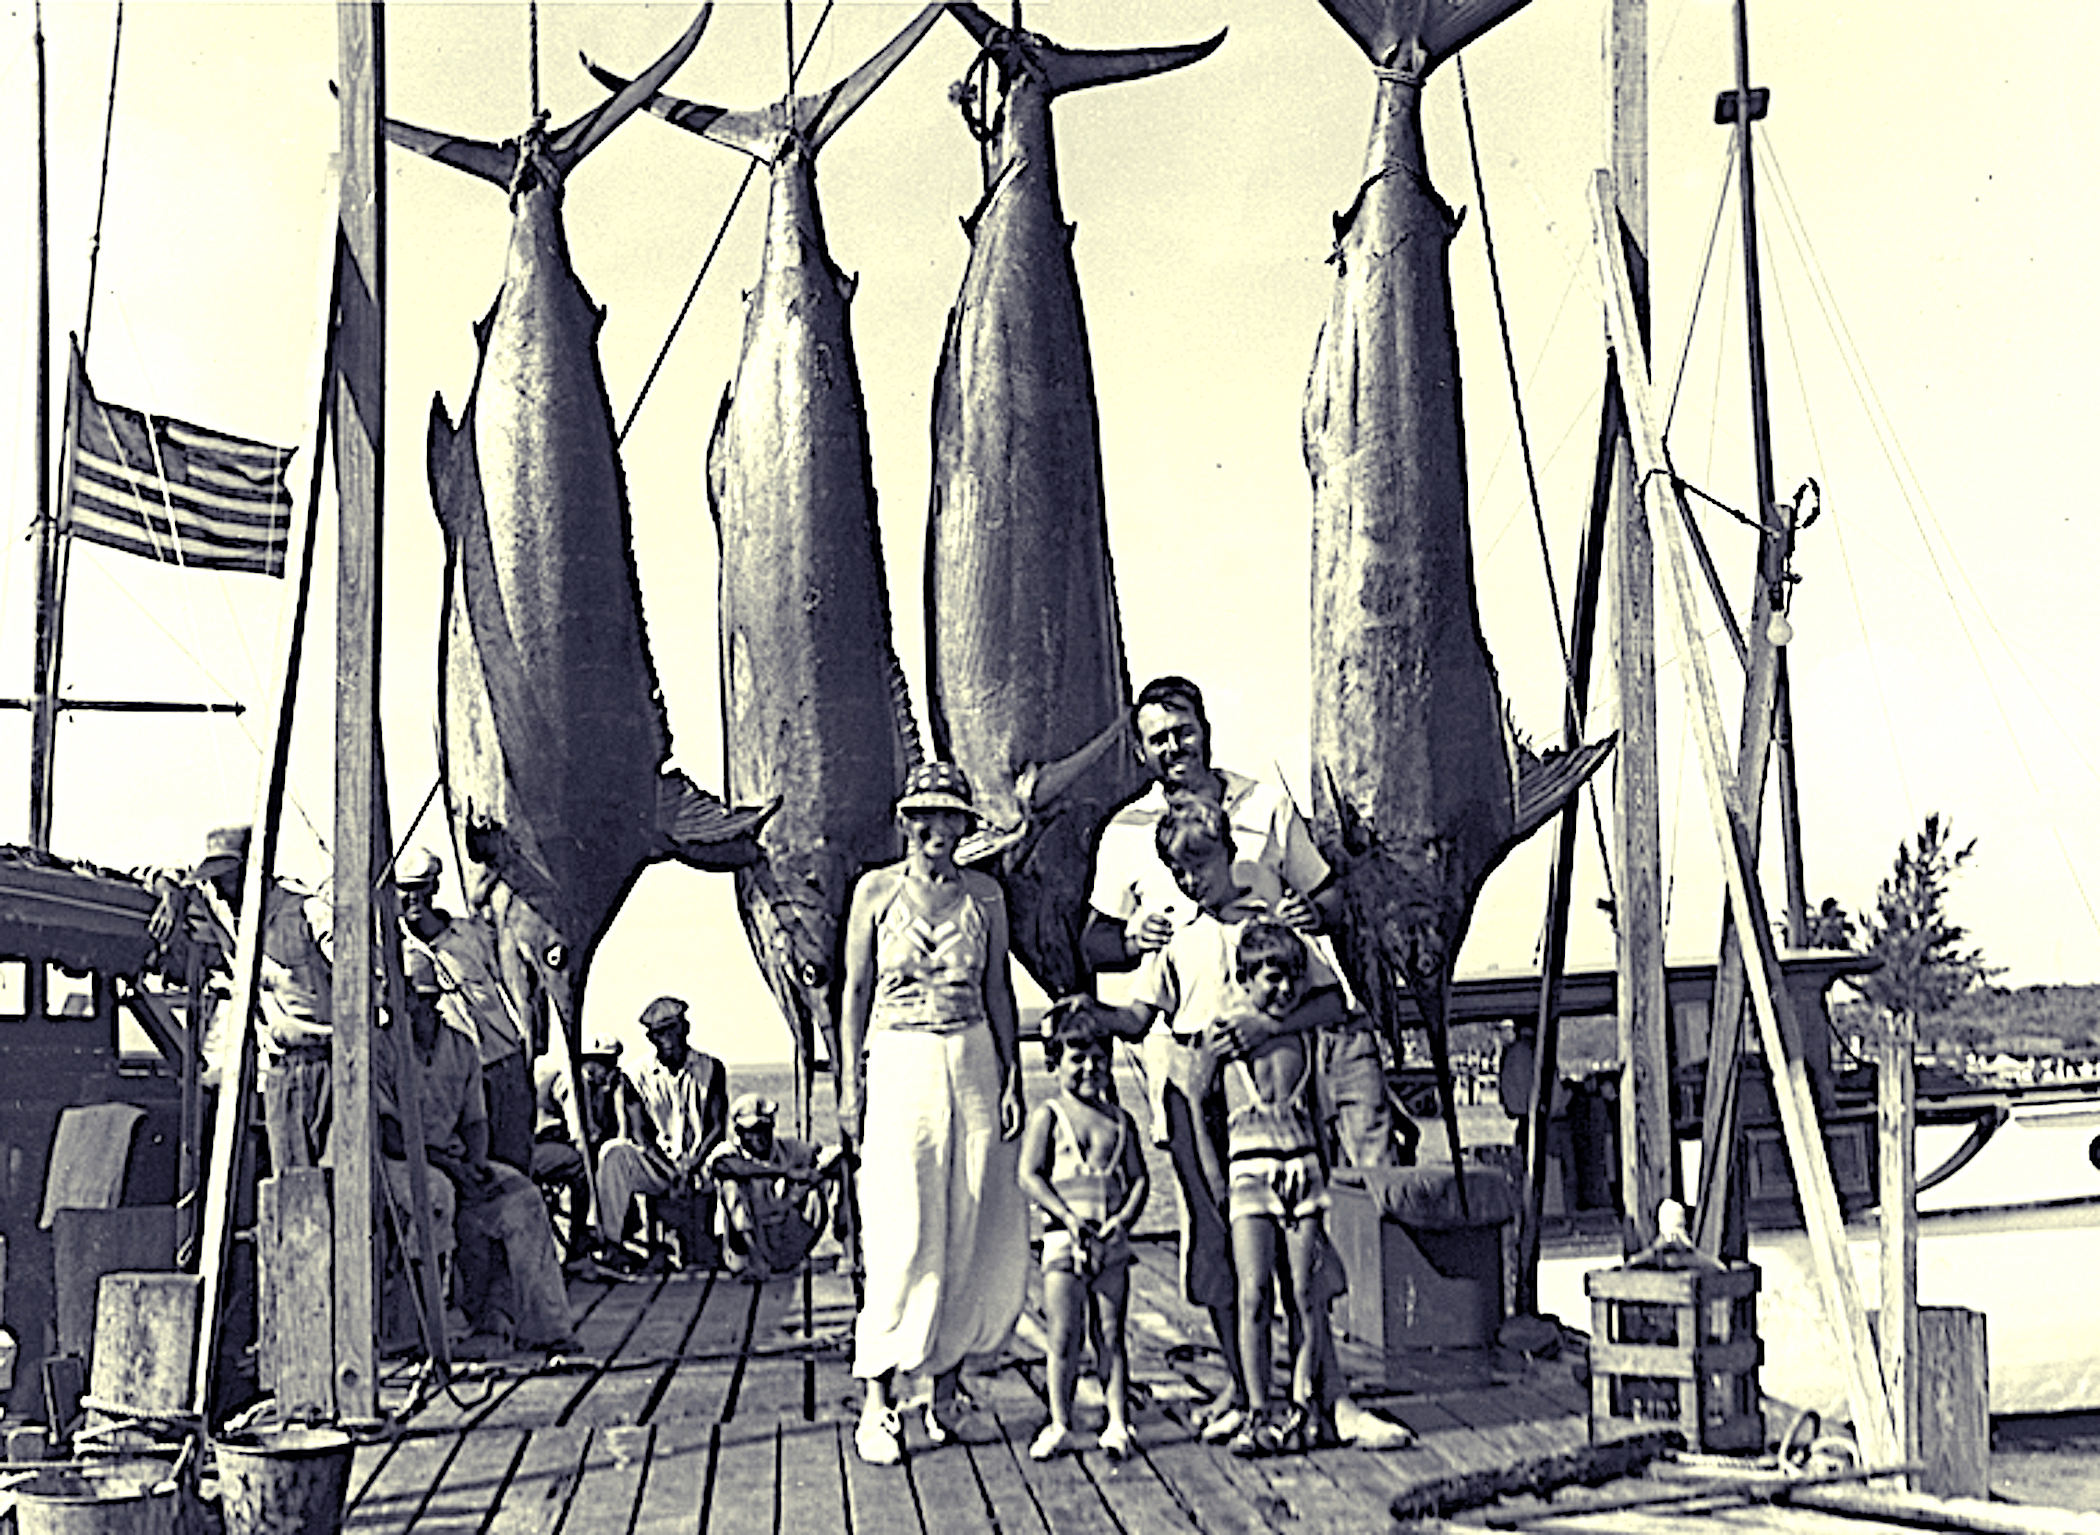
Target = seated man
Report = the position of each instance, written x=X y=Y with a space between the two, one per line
x=674 y=1108
x=557 y=1157
x=491 y=1204
x=770 y=1191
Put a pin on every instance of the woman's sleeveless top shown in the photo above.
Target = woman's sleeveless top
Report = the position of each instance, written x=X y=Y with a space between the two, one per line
x=929 y=974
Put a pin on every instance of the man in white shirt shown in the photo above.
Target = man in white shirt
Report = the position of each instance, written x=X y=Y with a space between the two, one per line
x=674 y=1109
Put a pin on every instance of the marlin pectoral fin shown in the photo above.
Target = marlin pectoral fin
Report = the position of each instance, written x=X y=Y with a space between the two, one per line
x=491 y=162
x=704 y=831
x=580 y=137
x=1043 y=784
x=1545 y=785
x=1437 y=28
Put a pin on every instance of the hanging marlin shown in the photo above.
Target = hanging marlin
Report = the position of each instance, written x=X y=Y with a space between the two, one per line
x=553 y=742
x=1418 y=789
x=1029 y=686
x=814 y=705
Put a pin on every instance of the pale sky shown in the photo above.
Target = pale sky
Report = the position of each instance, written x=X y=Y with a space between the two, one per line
x=1940 y=181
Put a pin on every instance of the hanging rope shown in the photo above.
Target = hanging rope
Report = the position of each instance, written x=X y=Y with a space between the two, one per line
x=1691 y=327
x=693 y=293
x=532 y=52
x=1516 y=397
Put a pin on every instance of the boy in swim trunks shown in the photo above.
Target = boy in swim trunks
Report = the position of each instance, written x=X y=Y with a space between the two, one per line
x=1276 y=1189
x=1084 y=1167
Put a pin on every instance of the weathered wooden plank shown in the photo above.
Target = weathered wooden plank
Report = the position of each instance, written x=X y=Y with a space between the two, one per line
x=776 y=1381
x=541 y=1486
x=709 y=1370
x=997 y=1464
x=812 y=1480
x=472 y=1483
x=878 y=1498
x=610 y=1484
x=1137 y=1495
x=1195 y=1473
x=547 y=1397
x=394 y=1498
x=1063 y=1494
x=628 y=1388
x=949 y=1496
x=745 y=1497
x=674 y=1494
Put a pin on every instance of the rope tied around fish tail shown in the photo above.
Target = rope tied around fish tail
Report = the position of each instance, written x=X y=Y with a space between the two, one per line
x=1393 y=74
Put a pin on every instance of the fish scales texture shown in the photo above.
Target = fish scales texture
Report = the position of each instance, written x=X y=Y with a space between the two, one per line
x=811 y=711
x=1025 y=640
x=1414 y=779
x=563 y=728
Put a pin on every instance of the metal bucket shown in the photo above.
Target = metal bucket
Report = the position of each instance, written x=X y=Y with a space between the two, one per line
x=116 y=1497
x=290 y=1481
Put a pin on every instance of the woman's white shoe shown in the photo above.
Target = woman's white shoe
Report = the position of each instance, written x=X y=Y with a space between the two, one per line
x=880 y=1437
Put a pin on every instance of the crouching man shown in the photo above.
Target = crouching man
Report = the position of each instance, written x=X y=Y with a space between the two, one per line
x=505 y=1276
x=772 y=1191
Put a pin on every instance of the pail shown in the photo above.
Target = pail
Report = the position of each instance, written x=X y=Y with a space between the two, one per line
x=114 y=1497
x=288 y=1481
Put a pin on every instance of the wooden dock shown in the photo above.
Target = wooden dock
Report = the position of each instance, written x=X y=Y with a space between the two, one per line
x=702 y=1403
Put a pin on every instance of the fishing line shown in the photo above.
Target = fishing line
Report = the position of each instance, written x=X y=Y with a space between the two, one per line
x=693 y=293
x=1516 y=397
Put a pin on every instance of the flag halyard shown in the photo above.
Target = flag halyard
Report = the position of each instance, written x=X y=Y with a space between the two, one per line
x=174 y=491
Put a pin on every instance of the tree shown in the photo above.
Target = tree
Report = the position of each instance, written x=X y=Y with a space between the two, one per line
x=1924 y=967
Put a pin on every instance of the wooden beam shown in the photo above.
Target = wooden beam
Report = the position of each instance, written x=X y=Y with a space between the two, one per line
x=360 y=465
x=1896 y=1103
x=1780 y=1033
x=1647 y=1146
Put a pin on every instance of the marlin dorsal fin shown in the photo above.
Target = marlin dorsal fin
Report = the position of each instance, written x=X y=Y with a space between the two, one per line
x=1065 y=70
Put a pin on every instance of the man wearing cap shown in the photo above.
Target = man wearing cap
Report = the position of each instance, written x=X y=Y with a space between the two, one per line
x=297 y=983
x=474 y=1001
x=558 y=1134
x=488 y=1205
x=674 y=1108
x=770 y=1191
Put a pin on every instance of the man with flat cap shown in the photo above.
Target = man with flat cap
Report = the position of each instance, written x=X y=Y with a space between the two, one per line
x=464 y=951
x=674 y=1107
x=295 y=1002
x=770 y=1191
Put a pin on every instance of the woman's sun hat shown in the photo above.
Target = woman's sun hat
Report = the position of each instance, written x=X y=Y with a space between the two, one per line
x=937 y=786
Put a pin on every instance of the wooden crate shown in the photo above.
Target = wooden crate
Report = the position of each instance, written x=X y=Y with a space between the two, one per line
x=1677 y=1347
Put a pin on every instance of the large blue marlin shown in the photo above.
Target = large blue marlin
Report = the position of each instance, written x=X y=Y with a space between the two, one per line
x=1029 y=684
x=1418 y=789
x=553 y=741
x=814 y=706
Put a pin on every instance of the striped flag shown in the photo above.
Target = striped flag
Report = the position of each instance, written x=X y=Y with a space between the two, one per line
x=173 y=491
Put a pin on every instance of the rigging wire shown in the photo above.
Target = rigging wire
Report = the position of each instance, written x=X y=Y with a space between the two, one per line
x=1921 y=514
x=1691 y=324
x=1516 y=398
x=707 y=262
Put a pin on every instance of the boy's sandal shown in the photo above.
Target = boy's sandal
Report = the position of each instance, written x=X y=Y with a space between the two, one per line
x=1251 y=1440
x=1117 y=1441
x=1220 y=1420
